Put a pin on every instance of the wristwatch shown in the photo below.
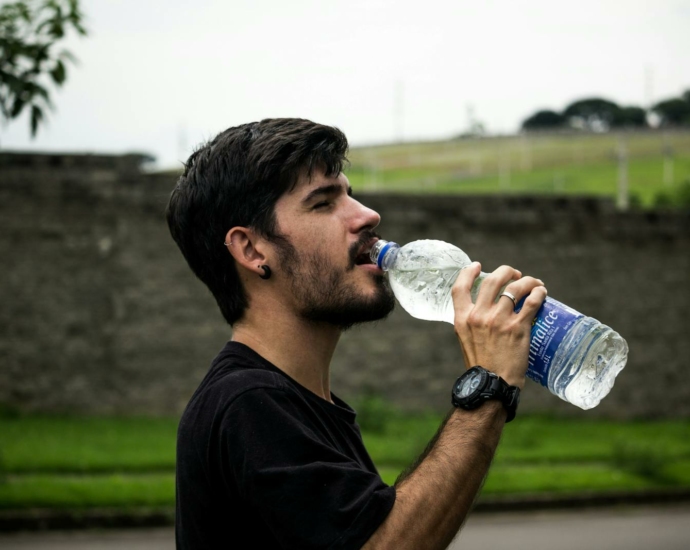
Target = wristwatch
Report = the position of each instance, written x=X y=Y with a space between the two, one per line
x=478 y=385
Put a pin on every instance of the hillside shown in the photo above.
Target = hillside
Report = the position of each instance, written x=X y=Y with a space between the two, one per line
x=658 y=164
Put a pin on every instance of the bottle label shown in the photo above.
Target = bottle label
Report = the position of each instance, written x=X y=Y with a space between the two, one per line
x=550 y=326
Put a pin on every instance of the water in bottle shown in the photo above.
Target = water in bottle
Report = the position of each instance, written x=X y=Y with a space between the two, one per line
x=576 y=357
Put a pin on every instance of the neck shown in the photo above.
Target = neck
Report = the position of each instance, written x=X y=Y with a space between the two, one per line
x=300 y=348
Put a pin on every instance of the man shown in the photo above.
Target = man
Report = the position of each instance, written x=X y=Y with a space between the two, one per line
x=267 y=456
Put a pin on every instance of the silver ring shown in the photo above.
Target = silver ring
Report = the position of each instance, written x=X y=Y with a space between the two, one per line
x=509 y=295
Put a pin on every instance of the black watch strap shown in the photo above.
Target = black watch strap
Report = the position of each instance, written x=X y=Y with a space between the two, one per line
x=511 y=400
x=490 y=387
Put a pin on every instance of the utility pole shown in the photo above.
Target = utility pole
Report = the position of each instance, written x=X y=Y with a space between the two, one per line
x=668 y=162
x=371 y=177
x=399 y=110
x=182 y=142
x=504 y=164
x=623 y=200
x=648 y=86
x=526 y=153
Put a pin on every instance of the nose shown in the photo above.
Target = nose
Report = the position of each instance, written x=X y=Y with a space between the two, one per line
x=365 y=217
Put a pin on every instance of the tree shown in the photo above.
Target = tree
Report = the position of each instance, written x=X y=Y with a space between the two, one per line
x=544 y=120
x=29 y=65
x=630 y=117
x=593 y=114
x=673 y=112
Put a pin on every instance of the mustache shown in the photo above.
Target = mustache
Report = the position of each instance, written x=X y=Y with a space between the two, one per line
x=364 y=238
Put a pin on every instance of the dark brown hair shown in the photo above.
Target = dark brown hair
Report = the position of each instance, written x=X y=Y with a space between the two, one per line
x=236 y=180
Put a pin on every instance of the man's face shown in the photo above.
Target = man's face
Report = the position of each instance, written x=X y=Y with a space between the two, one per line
x=325 y=254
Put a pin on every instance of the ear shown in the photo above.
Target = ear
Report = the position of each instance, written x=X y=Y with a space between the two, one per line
x=246 y=247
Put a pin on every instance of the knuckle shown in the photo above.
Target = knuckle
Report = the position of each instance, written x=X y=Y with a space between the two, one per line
x=522 y=329
x=502 y=328
x=460 y=322
x=495 y=321
x=461 y=329
x=513 y=326
x=475 y=319
x=535 y=283
x=513 y=288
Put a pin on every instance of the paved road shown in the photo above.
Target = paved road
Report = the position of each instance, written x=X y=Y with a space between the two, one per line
x=659 y=528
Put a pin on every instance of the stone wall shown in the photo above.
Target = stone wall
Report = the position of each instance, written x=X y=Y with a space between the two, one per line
x=100 y=313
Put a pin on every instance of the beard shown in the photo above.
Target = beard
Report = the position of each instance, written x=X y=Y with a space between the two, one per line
x=323 y=293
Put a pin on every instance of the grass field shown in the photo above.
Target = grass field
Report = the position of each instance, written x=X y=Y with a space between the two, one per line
x=129 y=462
x=658 y=164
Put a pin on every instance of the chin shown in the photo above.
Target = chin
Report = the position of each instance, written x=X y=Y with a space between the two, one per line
x=347 y=310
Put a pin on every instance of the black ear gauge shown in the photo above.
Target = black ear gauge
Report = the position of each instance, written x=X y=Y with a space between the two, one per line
x=267 y=272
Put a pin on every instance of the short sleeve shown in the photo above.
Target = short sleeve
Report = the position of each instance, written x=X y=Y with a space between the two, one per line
x=310 y=494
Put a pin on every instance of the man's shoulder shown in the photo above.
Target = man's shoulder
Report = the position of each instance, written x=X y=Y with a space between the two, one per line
x=235 y=371
x=236 y=384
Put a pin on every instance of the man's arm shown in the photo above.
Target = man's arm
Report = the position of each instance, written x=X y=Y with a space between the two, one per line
x=433 y=501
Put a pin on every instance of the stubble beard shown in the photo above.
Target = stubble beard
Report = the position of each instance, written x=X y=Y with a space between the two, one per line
x=323 y=294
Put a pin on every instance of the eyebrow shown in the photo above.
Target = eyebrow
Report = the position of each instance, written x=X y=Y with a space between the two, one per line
x=326 y=190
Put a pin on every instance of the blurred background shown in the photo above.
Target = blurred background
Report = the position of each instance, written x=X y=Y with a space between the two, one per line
x=555 y=138
x=160 y=77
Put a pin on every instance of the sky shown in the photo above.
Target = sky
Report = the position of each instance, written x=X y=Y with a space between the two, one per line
x=162 y=76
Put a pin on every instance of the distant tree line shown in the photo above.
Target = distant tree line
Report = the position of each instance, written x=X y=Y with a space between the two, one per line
x=599 y=115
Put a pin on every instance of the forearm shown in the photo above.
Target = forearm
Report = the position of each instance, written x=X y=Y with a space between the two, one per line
x=433 y=501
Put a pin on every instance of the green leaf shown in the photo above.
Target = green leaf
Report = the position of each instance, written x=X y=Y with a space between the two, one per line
x=17 y=107
x=69 y=56
x=56 y=30
x=36 y=118
x=33 y=90
x=58 y=73
x=28 y=31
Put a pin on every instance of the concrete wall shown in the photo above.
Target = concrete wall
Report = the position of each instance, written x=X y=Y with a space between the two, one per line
x=100 y=313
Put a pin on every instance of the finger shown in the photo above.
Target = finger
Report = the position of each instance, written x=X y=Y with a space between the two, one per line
x=519 y=289
x=510 y=300
x=460 y=291
x=494 y=283
x=533 y=302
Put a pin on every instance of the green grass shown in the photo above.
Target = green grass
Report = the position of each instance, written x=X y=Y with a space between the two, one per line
x=35 y=444
x=543 y=439
x=557 y=454
x=645 y=181
x=556 y=164
x=560 y=478
x=128 y=462
x=537 y=439
x=89 y=491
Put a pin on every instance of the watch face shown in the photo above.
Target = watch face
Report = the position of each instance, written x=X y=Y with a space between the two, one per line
x=469 y=384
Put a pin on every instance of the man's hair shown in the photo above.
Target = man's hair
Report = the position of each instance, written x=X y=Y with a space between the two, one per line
x=236 y=180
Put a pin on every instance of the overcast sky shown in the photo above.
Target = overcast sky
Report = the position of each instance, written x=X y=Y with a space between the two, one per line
x=159 y=76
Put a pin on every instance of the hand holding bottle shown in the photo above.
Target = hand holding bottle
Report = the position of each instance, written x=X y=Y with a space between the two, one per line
x=491 y=334
x=575 y=356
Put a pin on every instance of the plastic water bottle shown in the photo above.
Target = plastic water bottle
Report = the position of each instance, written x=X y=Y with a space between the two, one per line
x=576 y=357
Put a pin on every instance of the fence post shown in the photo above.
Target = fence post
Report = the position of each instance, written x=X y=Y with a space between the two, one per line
x=668 y=162
x=623 y=200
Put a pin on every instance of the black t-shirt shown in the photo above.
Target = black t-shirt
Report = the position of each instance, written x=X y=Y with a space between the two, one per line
x=262 y=462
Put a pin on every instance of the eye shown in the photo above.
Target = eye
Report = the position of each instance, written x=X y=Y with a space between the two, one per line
x=321 y=205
